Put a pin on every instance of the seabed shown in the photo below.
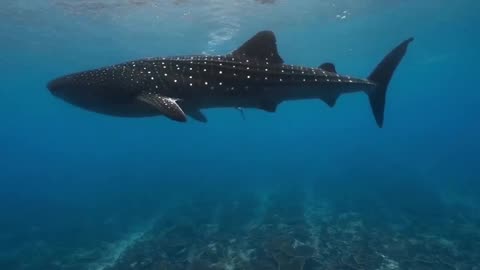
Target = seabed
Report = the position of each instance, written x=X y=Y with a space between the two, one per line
x=287 y=228
x=292 y=230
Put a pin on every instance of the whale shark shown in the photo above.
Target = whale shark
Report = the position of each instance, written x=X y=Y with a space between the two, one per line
x=252 y=76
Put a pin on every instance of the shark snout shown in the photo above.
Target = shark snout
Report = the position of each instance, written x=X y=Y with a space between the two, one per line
x=67 y=85
x=55 y=85
x=51 y=85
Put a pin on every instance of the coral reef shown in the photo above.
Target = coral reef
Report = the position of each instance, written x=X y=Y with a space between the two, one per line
x=295 y=231
x=285 y=229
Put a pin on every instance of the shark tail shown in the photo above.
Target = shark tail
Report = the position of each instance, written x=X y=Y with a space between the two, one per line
x=381 y=76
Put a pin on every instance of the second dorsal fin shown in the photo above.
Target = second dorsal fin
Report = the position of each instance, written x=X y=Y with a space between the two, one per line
x=330 y=67
x=262 y=47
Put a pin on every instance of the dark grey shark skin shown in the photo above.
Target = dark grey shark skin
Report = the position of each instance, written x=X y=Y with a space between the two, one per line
x=253 y=76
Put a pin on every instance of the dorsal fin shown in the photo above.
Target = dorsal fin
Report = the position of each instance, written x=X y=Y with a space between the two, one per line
x=262 y=46
x=330 y=67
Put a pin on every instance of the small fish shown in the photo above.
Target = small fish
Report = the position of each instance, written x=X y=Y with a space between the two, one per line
x=252 y=76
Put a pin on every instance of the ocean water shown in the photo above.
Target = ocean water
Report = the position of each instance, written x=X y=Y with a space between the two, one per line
x=308 y=187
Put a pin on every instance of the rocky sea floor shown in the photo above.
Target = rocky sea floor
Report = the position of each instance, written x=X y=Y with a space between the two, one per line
x=286 y=229
x=294 y=230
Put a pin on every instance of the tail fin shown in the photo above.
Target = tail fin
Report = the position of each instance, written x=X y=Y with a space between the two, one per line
x=381 y=76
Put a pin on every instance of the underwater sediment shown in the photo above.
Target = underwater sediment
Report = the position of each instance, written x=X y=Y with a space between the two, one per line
x=314 y=226
x=293 y=229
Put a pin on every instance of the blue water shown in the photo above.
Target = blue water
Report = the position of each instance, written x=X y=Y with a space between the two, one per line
x=80 y=190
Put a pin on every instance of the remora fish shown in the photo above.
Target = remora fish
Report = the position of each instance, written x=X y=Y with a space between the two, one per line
x=253 y=76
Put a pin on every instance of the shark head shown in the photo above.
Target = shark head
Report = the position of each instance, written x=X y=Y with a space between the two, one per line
x=84 y=89
x=99 y=90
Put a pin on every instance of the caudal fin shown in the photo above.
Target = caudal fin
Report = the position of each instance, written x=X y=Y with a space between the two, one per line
x=381 y=76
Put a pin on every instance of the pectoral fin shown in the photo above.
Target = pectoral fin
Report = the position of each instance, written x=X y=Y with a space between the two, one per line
x=197 y=115
x=166 y=105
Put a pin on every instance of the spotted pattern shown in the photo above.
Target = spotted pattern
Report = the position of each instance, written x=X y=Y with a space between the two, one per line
x=187 y=76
